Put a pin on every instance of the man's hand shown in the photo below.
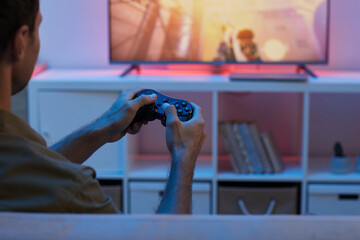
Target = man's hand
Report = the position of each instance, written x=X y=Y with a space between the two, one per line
x=184 y=138
x=116 y=121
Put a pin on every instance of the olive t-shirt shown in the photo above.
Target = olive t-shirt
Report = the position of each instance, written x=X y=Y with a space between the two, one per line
x=34 y=178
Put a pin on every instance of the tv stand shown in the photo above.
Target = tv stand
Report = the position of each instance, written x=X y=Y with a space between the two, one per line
x=129 y=69
x=302 y=67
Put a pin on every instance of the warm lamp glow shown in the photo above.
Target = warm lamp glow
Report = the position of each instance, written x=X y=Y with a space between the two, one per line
x=275 y=50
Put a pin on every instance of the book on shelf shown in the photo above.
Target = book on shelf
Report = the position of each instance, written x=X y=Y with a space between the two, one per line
x=264 y=159
x=251 y=148
x=272 y=151
x=225 y=132
x=244 y=159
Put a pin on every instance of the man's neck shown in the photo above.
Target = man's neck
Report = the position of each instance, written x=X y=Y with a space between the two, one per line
x=5 y=87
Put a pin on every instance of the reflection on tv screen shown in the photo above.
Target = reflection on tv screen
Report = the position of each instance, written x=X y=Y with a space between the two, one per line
x=218 y=30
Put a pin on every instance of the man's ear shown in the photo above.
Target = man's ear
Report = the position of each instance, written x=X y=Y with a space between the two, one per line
x=20 y=42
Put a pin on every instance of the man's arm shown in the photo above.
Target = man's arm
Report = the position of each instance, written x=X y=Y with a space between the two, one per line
x=82 y=143
x=110 y=127
x=184 y=141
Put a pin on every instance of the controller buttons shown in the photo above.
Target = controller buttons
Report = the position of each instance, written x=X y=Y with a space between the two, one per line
x=184 y=103
x=177 y=105
x=179 y=111
x=166 y=99
x=187 y=109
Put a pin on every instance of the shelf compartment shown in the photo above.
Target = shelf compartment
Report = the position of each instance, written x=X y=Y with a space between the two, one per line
x=256 y=198
x=334 y=117
x=320 y=171
x=157 y=167
x=278 y=113
x=62 y=112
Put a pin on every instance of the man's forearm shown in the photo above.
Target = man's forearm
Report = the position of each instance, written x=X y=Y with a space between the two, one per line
x=178 y=193
x=109 y=127
x=81 y=144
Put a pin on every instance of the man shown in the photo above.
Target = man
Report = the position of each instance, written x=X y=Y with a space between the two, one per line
x=34 y=178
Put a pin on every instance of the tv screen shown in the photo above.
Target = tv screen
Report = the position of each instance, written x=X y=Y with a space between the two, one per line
x=213 y=31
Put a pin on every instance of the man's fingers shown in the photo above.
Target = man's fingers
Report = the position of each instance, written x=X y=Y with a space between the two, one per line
x=132 y=92
x=144 y=100
x=170 y=113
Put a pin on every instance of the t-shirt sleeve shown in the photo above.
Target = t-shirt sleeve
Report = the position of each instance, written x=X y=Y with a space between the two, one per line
x=34 y=178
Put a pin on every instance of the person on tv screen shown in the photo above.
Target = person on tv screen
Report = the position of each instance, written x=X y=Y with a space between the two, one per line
x=248 y=46
x=37 y=178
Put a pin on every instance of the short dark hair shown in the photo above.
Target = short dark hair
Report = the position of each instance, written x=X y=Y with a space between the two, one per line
x=14 y=14
x=245 y=34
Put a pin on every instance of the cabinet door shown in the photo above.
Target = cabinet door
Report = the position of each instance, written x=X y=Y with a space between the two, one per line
x=61 y=112
x=145 y=197
x=334 y=199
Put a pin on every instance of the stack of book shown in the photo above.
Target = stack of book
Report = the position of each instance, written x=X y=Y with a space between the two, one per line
x=250 y=151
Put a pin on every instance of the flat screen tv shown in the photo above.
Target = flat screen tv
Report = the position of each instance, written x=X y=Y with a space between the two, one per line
x=219 y=31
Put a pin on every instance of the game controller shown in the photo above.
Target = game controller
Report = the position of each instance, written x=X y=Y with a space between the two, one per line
x=154 y=111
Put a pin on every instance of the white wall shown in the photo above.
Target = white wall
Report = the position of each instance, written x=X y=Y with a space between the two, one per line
x=344 y=35
x=74 y=34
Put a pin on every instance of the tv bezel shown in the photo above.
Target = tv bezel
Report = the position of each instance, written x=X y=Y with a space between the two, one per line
x=326 y=61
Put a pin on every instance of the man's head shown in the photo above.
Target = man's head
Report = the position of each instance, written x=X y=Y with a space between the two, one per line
x=245 y=36
x=19 y=39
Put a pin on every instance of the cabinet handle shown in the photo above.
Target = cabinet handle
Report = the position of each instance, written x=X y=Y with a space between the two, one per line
x=246 y=212
x=348 y=197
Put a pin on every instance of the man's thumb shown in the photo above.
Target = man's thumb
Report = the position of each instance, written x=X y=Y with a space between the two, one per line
x=170 y=113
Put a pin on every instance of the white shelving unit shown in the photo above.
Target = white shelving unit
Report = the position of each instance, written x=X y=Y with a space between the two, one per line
x=62 y=100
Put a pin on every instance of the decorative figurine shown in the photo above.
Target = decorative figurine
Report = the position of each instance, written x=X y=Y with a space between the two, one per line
x=340 y=164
